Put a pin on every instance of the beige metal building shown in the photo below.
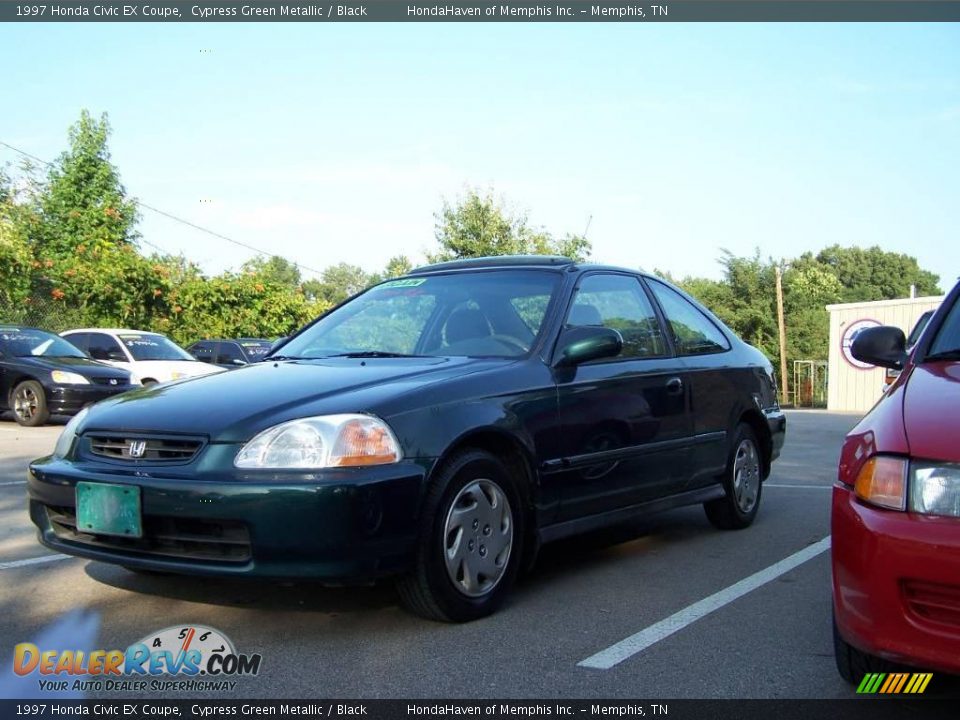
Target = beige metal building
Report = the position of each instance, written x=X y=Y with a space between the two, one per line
x=853 y=386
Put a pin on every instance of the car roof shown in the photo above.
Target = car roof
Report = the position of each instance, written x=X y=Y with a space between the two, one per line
x=111 y=330
x=518 y=261
x=266 y=341
x=14 y=326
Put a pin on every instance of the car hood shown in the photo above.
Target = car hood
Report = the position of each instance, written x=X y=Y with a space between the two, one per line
x=932 y=397
x=81 y=366
x=234 y=406
x=165 y=370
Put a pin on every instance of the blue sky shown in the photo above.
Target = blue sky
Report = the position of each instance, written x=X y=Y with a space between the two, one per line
x=329 y=143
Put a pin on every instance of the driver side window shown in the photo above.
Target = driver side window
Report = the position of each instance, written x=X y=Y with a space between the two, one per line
x=104 y=347
x=618 y=302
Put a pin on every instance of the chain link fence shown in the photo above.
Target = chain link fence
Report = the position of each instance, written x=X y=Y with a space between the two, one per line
x=44 y=313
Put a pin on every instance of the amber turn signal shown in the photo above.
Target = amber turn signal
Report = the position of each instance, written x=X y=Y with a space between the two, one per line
x=883 y=481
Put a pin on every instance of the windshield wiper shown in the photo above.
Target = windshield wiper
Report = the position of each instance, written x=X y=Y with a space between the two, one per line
x=280 y=357
x=944 y=355
x=374 y=354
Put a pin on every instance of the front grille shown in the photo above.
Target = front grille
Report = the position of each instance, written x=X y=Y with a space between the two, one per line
x=170 y=537
x=145 y=449
x=110 y=382
x=933 y=602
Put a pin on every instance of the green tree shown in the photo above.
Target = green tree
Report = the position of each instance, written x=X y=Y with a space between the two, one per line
x=233 y=305
x=397 y=266
x=274 y=269
x=337 y=283
x=872 y=273
x=82 y=202
x=16 y=254
x=479 y=226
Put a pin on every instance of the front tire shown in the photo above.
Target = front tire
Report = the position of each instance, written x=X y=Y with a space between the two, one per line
x=742 y=482
x=853 y=664
x=471 y=544
x=29 y=403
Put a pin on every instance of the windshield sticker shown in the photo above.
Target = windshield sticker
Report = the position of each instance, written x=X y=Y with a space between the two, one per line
x=404 y=283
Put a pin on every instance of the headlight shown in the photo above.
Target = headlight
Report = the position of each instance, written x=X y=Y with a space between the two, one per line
x=935 y=489
x=322 y=442
x=68 y=378
x=65 y=441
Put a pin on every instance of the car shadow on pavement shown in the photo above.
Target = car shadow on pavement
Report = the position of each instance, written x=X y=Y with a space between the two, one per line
x=251 y=593
x=592 y=551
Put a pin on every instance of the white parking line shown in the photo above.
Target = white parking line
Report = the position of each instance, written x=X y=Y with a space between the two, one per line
x=32 y=561
x=13 y=482
x=615 y=654
x=803 y=487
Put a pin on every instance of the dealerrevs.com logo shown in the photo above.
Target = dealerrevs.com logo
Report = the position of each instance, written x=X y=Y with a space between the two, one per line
x=189 y=658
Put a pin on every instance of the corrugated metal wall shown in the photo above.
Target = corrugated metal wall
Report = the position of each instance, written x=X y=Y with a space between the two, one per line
x=851 y=388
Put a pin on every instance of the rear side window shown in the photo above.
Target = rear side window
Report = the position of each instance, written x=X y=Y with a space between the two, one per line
x=693 y=332
x=618 y=302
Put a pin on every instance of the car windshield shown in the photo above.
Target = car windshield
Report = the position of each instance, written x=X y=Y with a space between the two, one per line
x=153 y=347
x=495 y=313
x=946 y=345
x=36 y=343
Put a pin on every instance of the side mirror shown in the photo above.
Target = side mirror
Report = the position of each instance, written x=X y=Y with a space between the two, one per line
x=583 y=343
x=885 y=346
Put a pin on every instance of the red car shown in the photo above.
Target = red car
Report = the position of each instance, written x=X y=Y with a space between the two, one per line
x=896 y=509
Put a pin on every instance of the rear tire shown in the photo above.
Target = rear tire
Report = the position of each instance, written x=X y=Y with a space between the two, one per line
x=742 y=482
x=853 y=664
x=29 y=403
x=471 y=541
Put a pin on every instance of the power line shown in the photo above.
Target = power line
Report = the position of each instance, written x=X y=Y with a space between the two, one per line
x=178 y=219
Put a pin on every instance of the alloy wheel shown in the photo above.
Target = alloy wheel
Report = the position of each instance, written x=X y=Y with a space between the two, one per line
x=25 y=403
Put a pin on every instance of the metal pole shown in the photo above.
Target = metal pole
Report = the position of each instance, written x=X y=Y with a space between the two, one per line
x=783 y=338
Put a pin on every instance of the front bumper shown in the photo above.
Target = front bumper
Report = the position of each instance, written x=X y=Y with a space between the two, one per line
x=70 y=399
x=343 y=525
x=896 y=583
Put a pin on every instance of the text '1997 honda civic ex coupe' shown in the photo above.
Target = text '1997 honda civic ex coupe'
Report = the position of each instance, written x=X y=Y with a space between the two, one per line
x=437 y=428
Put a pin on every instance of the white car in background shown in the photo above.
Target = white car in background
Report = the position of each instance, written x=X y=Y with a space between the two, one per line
x=150 y=357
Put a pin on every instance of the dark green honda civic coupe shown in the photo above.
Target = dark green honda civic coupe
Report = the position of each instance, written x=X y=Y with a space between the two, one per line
x=437 y=428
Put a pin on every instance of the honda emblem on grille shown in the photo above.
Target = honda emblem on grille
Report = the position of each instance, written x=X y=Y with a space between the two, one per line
x=137 y=448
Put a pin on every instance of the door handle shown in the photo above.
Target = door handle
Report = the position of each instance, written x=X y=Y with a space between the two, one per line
x=674 y=386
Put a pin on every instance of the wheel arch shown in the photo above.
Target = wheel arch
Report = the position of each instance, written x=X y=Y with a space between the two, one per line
x=519 y=459
x=755 y=420
x=21 y=378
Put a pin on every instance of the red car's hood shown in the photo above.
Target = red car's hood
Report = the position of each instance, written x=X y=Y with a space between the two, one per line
x=930 y=410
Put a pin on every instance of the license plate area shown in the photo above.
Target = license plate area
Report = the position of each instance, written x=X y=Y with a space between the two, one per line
x=104 y=509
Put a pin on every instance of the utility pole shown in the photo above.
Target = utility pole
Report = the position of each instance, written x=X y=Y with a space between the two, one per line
x=783 y=337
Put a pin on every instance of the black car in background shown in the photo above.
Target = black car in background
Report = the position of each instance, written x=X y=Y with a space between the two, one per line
x=231 y=353
x=436 y=428
x=43 y=374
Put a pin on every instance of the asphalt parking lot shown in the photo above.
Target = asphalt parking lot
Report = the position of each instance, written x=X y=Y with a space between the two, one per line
x=665 y=583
